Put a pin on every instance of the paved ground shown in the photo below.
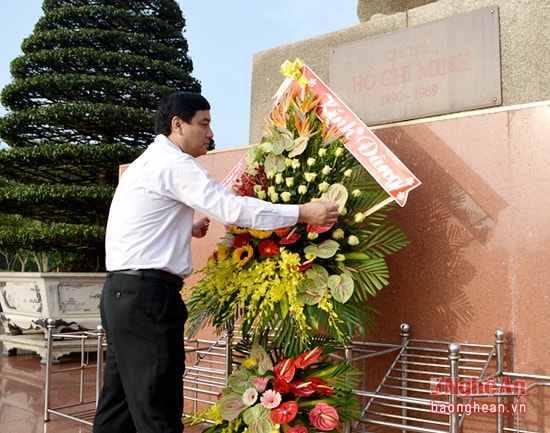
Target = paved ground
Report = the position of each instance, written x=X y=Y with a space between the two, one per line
x=22 y=402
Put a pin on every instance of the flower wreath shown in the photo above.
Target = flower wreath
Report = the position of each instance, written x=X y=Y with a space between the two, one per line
x=297 y=282
x=309 y=393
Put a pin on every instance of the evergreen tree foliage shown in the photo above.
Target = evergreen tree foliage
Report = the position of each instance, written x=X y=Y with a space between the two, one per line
x=81 y=103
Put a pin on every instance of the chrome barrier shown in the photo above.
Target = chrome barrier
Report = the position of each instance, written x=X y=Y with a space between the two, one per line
x=427 y=381
x=82 y=409
x=416 y=382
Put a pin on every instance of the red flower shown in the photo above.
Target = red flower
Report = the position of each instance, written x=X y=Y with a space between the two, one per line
x=298 y=428
x=324 y=417
x=321 y=386
x=318 y=229
x=285 y=369
x=305 y=266
x=290 y=239
x=282 y=232
x=285 y=412
x=245 y=185
x=308 y=358
x=268 y=248
x=241 y=240
x=281 y=385
x=301 y=388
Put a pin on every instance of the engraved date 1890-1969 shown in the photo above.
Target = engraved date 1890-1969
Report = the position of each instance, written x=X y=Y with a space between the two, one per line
x=401 y=96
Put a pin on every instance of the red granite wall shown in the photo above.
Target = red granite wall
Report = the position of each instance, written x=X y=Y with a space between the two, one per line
x=479 y=231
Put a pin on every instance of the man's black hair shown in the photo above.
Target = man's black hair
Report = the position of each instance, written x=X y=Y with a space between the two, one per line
x=181 y=104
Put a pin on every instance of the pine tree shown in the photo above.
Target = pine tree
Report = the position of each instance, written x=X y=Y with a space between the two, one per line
x=81 y=103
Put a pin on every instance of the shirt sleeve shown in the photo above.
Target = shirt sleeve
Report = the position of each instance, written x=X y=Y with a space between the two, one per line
x=191 y=184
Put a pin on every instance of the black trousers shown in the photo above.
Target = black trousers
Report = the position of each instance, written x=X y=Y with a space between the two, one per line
x=142 y=391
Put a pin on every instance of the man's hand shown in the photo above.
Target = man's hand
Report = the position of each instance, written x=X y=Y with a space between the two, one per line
x=200 y=227
x=319 y=213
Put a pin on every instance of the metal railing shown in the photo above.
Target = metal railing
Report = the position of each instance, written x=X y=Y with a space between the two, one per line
x=425 y=384
x=414 y=395
x=81 y=409
x=515 y=401
x=206 y=372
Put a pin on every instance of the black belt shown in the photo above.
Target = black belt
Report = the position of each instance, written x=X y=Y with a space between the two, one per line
x=157 y=274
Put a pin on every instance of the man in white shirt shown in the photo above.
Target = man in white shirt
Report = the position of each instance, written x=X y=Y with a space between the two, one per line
x=148 y=254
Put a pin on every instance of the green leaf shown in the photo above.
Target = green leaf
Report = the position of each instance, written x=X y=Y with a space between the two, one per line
x=372 y=275
x=288 y=141
x=341 y=287
x=338 y=193
x=257 y=419
x=274 y=163
x=231 y=406
x=300 y=144
x=324 y=250
x=309 y=293
x=319 y=275
x=239 y=380
x=254 y=154
x=264 y=361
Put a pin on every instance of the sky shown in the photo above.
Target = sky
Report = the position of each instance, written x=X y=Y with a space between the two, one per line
x=222 y=36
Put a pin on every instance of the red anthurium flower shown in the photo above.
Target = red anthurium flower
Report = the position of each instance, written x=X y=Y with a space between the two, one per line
x=301 y=388
x=281 y=385
x=305 y=266
x=268 y=248
x=298 y=428
x=324 y=417
x=308 y=358
x=285 y=369
x=291 y=239
x=321 y=386
x=318 y=229
x=284 y=413
x=241 y=240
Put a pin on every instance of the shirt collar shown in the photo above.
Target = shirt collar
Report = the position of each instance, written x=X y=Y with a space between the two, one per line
x=164 y=140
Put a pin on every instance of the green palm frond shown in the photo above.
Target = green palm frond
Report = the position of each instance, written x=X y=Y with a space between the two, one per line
x=370 y=275
x=383 y=241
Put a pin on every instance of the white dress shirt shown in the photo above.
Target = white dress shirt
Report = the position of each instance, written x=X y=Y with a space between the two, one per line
x=151 y=217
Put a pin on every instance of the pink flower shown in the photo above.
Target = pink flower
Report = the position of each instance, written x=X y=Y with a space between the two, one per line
x=250 y=396
x=260 y=383
x=324 y=417
x=270 y=399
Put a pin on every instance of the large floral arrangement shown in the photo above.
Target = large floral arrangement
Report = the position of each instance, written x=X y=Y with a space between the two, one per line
x=300 y=281
x=308 y=393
